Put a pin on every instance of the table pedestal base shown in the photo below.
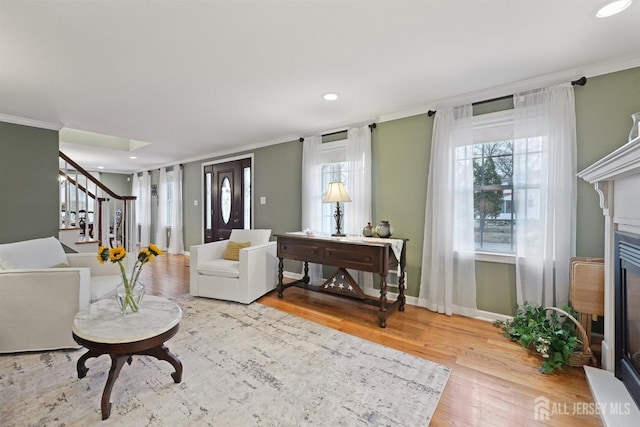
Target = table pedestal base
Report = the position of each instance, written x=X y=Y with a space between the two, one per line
x=121 y=354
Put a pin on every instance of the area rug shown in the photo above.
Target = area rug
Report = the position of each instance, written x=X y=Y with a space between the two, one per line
x=243 y=366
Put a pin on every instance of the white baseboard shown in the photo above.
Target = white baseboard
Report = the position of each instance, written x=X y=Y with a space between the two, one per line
x=292 y=275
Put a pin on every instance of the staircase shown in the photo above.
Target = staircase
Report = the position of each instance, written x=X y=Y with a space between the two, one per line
x=90 y=213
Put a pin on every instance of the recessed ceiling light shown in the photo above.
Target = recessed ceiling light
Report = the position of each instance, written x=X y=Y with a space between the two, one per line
x=330 y=96
x=612 y=7
x=100 y=167
x=132 y=157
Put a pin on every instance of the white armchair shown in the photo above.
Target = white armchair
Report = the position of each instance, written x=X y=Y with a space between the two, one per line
x=42 y=289
x=245 y=280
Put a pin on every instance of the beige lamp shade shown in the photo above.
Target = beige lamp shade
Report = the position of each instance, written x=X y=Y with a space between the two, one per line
x=336 y=193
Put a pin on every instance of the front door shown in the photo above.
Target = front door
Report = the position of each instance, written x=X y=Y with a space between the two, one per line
x=226 y=194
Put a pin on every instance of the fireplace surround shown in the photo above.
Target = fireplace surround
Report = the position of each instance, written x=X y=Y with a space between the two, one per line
x=627 y=312
x=616 y=179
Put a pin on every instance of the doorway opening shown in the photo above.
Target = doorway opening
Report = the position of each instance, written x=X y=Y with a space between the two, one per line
x=227 y=198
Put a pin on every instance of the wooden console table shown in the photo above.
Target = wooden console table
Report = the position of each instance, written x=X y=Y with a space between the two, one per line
x=358 y=253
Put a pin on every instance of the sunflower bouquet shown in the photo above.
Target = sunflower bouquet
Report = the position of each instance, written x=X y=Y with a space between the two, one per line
x=117 y=255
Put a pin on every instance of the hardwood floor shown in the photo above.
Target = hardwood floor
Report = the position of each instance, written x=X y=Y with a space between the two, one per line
x=494 y=382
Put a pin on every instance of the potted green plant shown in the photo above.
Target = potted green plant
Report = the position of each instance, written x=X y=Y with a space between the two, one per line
x=551 y=332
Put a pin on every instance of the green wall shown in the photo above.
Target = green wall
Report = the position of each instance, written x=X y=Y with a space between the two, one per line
x=117 y=182
x=28 y=182
x=400 y=166
x=603 y=115
x=496 y=287
x=192 y=215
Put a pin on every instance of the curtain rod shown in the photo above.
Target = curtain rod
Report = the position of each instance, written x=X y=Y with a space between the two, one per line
x=372 y=126
x=580 y=82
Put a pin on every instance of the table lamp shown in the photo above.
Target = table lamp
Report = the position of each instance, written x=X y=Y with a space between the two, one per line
x=337 y=194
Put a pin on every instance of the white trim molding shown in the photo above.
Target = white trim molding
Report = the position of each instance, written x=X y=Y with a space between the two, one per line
x=30 y=122
x=623 y=162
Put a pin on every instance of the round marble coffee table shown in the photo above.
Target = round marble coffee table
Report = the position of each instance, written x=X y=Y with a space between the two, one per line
x=104 y=330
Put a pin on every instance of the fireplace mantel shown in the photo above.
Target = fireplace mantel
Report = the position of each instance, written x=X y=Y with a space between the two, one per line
x=616 y=178
x=625 y=161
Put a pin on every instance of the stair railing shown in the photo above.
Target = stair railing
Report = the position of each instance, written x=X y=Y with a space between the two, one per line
x=113 y=216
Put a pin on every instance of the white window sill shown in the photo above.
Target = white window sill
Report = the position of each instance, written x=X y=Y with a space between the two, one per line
x=496 y=257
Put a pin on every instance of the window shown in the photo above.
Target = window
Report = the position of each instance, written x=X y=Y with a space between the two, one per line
x=498 y=159
x=494 y=219
x=332 y=172
x=509 y=174
x=334 y=168
x=337 y=160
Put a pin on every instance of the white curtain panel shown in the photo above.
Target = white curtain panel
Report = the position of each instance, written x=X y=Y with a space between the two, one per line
x=544 y=185
x=161 y=214
x=448 y=282
x=176 y=242
x=312 y=192
x=106 y=224
x=135 y=191
x=358 y=211
x=144 y=205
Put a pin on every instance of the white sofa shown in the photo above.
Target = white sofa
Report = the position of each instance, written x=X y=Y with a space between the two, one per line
x=245 y=280
x=41 y=290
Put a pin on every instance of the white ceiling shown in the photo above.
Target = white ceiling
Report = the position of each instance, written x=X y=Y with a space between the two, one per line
x=193 y=78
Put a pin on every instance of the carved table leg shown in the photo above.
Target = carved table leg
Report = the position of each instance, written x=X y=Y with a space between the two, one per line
x=117 y=362
x=382 y=313
x=80 y=366
x=280 y=276
x=401 y=289
x=162 y=353
x=402 y=266
x=306 y=278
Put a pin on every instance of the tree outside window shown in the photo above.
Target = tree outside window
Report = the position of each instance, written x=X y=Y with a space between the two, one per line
x=493 y=196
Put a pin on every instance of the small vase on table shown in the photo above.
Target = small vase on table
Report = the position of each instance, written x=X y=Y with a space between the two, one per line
x=129 y=297
x=367 y=231
x=384 y=229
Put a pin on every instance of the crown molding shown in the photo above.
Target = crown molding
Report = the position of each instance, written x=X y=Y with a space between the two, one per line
x=254 y=146
x=30 y=122
x=218 y=154
x=520 y=86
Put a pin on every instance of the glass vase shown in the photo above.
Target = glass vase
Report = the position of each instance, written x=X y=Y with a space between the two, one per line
x=129 y=298
x=635 y=130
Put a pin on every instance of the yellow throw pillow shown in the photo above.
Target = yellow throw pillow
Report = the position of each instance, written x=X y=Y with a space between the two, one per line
x=233 y=250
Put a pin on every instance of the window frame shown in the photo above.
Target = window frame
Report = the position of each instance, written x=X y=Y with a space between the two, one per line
x=488 y=128
x=332 y=153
